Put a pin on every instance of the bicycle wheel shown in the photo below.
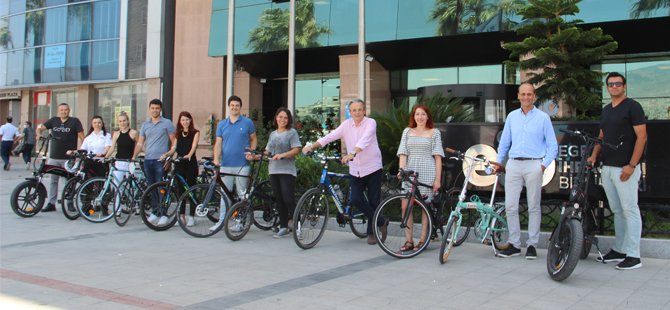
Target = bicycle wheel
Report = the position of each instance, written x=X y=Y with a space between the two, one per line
x=499 y=231
x=130 y=193
x=448 y=240
x=28 y=198
x=266 y=215
x=564 y=249
x=238 y=220
x=94 y=202
x=358 y=222
x=419 y=223
x=159 y=200
x=67 y=198
x=198 y=217
x=310 y=218
x=466 y=216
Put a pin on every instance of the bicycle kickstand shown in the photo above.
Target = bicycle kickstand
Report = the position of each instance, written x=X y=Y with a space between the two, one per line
x=594 y=241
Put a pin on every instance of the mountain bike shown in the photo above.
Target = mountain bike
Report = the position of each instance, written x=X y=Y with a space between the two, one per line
x=257 y=205
x=491 y=226
x=575 y=232
x=27 y=198
x=78 y=166
x=312 y=210
x=131 y=189
x=97 y=198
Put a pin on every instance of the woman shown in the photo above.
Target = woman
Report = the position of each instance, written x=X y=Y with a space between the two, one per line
x=283 y=146
x=98 y=142
x=123 y=142
x=421 y=150
x=187 y=144
x=29 y=141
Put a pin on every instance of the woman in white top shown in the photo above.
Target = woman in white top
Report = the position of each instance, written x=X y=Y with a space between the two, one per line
x=97 y=142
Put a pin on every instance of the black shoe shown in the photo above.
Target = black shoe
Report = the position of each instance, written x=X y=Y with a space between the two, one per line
x=611 y=256
x=49 y=208
x=70 y=207
x=531 y=253
x=384 y=230
x=629 y=263
x=509 y=252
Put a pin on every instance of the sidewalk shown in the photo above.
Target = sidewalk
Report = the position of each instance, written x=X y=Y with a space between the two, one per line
x=48 y=261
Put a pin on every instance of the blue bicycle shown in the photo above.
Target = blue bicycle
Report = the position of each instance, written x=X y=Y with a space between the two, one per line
x=312 y=210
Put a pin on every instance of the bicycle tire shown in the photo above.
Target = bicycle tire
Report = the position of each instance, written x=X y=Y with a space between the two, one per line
x=266 y=215
x=157 y=192
x=310 y=218
x=564 y=249
x=238 y=220
x=204 y=216
x=588 y=227
x=23 y=200
x=499 y=233
x=130 y=192
x=67 y=198
x=87 y=202
x=358 y=222
x=448 y=240
x=466 y=216
x=391 y=209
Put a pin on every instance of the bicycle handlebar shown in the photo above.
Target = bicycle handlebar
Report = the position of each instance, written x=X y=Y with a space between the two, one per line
x=499 y=168
x=588 y=138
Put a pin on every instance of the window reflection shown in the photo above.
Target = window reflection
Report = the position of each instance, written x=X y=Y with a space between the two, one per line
x=129 y=98
x=15 y=72
x=3 y=69
x=105 y=60
x=77 y=62
x=17 y=30
x=106 y=19
x=56 y=25
x=79 y=22
x=317 y=102
x=31 y=66
x=35 y=28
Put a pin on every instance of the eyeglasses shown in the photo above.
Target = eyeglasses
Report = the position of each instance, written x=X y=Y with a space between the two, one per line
x=615 y=84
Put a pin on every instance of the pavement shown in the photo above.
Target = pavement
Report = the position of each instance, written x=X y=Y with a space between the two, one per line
x=49 y=262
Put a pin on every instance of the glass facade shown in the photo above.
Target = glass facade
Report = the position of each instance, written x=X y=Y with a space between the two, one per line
x=40 y=43
x=318 y=99
x=129 y=98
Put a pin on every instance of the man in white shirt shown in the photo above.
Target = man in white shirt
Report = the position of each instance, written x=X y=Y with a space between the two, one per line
x=8 y=133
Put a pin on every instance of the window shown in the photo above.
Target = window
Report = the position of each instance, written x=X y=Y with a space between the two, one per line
x=77 y=60
x=129 y=98
x=31 y=66
x=56 y=25
x=105 y=60
x=106 y=19
x=79 y=22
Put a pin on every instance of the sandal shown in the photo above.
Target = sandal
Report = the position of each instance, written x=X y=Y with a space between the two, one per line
x=419 y=245
x=408 y=246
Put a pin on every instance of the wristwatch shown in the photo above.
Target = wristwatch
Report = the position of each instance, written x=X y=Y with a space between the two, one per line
x=632 y=166
x=353 y=154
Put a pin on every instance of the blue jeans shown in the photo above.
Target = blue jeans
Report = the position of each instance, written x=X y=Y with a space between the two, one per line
x=373 y=184
x=153 y=170
x=6 y=150
x=622 y=198
x=27 y=152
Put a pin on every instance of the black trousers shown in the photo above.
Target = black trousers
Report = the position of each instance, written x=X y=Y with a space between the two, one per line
x=283 y=187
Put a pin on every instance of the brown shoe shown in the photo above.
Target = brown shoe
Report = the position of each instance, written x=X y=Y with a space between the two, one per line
x=372 y=240
x=384 y=230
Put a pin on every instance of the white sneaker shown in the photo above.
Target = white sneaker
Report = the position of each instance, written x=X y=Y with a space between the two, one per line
x=190 y=222
x=216 y=226
x=162 y=221
x=28 y=166
x=152 y=219
x=282 y=232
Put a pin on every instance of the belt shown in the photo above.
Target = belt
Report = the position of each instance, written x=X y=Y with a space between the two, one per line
x=525 y=158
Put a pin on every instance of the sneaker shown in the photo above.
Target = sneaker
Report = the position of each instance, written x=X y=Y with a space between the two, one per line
x=190 y=222
x=282 y=232
x=162 y=221
x=629 y=263
x=509 y=252
x=49 y=208
x=28 y=166
x=530 y=252
x=384 y=230
x=372 y=240
x=153 y=219
x=70 y=207
x=216 y=225
x=611 y=256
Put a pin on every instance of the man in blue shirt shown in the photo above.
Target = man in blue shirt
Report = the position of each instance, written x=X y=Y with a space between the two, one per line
x=235 y=136
x=529 y=138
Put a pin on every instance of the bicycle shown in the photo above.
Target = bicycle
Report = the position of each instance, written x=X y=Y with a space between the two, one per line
x=575 y=232
x=131 y=189
x=491 y=226
x=256 y=206
x=98 y=197
x=312 y=210
x=77 y=166
x=27 y=198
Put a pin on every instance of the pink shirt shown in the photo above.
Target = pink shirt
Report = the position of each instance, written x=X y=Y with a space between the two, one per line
x=362 y=136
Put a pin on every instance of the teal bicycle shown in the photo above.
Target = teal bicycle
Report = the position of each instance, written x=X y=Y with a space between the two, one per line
x=491 y=226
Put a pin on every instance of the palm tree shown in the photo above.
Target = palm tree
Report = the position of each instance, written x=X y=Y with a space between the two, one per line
x=467 y=15
x=272 y=33
x=644 y=8
x=5 y=36
x=448 y=15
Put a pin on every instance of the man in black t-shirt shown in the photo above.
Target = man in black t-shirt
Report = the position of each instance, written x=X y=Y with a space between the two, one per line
x=68 y=133
x=622 y=121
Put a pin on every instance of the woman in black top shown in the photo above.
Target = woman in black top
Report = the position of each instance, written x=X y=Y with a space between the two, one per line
x=187 y=143
x=123 y=141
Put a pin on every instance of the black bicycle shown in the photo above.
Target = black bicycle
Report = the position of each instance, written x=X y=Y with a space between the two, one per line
x=576 y=230
x=79 y=166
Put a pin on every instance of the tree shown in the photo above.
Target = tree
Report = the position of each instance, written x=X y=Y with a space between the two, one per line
x=272 y=33
x=643 y=8
x=467 y=15
x=559 y=54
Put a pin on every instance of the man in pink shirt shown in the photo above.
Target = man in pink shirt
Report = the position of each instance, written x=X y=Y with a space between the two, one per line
x=359 y=134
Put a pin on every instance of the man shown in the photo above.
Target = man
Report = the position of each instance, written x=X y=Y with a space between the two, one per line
x=68 y=134
x=622 y=121
x=235 y=135
x=8 y=134
x=529 y=138
x=359 y=134
x=157 y=137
